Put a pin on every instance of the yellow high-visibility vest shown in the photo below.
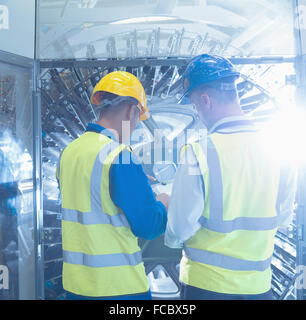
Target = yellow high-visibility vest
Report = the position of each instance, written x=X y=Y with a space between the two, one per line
x=101 y=256
x=232 y=251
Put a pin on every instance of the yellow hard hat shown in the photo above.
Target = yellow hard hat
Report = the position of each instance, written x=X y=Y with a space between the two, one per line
x=123 y=84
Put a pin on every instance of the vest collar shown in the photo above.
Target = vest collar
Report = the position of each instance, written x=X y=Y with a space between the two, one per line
x=94 y=127
x=234 y=123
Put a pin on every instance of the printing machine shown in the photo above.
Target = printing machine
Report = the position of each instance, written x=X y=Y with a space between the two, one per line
x=45 y=104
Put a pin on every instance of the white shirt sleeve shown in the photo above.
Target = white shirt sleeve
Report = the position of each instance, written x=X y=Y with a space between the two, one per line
x=186 y=203
x=287 y=200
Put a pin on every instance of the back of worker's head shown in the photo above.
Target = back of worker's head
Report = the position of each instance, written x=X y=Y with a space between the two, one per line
x=223 y=91
x=209 y=85
x=117 y=98
x=124 y=85
x=215 y=99
x=115 y=109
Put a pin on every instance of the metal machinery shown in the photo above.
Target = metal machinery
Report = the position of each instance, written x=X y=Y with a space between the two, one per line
x=79 y=41
x=66 y=110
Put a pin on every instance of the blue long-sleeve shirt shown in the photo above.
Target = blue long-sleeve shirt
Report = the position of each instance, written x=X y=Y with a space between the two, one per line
x=130 y=190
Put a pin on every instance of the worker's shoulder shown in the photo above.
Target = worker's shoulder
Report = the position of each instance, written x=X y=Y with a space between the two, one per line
x=126 y=157
x=187 y=155
x=83 y=145
x=72 y=145
x=187 y=149
x=126 y=166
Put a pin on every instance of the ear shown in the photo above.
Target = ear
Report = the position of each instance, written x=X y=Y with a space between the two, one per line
x=134 y=111
x=205 y=100
x=129 y=112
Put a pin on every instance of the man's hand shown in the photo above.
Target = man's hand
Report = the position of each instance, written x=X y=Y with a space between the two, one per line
x=164 y=198
x=151 y=178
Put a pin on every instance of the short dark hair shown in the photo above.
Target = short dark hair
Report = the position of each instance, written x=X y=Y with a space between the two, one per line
x=110 y=105
x=222 y=89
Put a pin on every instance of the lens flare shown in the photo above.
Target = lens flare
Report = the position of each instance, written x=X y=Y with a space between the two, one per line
x=285 y=136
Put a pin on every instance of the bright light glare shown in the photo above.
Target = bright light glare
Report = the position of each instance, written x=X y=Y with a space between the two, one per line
x=285 y=137
x=143 y=19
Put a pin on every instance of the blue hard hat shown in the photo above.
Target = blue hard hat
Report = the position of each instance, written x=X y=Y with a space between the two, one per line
x=203 y=69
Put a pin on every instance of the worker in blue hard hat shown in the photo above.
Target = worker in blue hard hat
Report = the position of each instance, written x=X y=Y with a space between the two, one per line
x=237 y=195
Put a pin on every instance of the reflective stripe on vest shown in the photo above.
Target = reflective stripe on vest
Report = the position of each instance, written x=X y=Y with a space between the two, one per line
x=226 y=262
x=215 y=221
x=94 y=217
x=241 y=223
x=97 y=216
x=102 y=260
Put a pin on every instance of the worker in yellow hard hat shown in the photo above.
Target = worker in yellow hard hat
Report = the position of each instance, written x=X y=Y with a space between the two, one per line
x=124 y=85
x=107 y=201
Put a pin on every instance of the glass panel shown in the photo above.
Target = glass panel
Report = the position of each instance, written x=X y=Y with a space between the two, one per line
x=17 y=26
x=152 y=28
x=17 y=261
